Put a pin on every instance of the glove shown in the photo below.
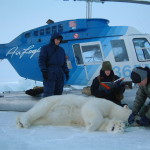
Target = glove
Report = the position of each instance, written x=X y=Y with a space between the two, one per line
x=67 y=76
x=45 y=75
x=131 y=118
x=144 y=121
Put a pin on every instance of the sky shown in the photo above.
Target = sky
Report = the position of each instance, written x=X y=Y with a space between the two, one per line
x=18 y=16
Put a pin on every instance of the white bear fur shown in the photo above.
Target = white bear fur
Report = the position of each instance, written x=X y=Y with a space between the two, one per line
x=95 y=114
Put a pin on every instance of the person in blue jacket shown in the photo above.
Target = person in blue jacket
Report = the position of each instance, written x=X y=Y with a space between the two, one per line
x=52 y=63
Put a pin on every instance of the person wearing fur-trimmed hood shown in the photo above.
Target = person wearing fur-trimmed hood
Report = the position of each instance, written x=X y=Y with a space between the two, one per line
x=114 y=94
x=141 y=76
x=52 y=63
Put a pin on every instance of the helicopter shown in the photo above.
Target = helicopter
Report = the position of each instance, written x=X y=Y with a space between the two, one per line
x=87 y=43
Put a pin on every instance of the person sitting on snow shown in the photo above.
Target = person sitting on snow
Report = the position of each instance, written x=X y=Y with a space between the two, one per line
x=115 y=93
x=141 y=76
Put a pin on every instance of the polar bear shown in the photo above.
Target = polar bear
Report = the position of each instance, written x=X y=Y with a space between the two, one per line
x=96 y=114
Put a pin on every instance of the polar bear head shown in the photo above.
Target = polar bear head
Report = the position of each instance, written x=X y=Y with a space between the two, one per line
x=120 y=113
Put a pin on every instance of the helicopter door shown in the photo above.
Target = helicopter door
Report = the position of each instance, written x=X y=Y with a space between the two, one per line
x=87 y=54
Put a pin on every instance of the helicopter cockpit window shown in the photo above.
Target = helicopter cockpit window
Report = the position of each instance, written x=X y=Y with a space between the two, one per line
x=36 y=33
x=48 y=30
x=54 y=29
x=60 y=28
x=27 y=35
x=142 y=49
x=119 y=50
x=88 y=53
x=42 y=32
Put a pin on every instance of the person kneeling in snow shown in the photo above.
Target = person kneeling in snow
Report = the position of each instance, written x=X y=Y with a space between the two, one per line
x=104 y=85
x=141 y=76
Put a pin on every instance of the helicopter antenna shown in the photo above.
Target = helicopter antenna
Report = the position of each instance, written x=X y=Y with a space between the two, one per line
x=49 y=21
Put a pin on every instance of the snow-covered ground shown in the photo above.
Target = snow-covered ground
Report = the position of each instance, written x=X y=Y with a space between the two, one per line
x=70 y=138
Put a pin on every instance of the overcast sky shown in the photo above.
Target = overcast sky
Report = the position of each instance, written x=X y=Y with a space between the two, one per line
x=18 y=16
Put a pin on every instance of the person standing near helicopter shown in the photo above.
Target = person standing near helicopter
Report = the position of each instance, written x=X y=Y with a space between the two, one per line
x=52 y=63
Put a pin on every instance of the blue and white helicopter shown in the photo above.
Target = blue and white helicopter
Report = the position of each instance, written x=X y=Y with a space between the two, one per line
x=87 y=43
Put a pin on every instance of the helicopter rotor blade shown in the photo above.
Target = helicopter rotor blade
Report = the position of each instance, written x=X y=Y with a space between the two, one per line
x=146 y=2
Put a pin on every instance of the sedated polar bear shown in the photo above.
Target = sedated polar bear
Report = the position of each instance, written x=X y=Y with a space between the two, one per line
x=95 y=114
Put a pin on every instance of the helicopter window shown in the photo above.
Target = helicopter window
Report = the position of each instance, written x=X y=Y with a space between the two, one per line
x=36 y=33
x=27 y=35
x=54 y=29
x=48 y=30
x=91 y=53
x=77 y=53
x=42 y=32
x=87 y=53
x=119 y=50
x=142 y=48
x=60 y=28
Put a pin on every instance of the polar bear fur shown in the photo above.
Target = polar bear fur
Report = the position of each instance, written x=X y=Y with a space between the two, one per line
x=95 y=114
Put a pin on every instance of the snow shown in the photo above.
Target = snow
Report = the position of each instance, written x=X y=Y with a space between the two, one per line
x=66 y=138
x=20 y=85
x=72 y=137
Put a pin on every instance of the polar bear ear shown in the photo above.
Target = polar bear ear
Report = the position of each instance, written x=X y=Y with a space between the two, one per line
x=126 y=107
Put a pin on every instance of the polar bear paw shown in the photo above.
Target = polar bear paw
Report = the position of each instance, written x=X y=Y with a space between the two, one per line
x=22 y=122
x=117 y=127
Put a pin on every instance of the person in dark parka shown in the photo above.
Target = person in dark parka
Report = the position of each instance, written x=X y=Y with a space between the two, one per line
x=107 y=75
x=52 y=63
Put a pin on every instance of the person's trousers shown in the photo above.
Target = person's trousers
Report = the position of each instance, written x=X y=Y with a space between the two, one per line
x=53 y=87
